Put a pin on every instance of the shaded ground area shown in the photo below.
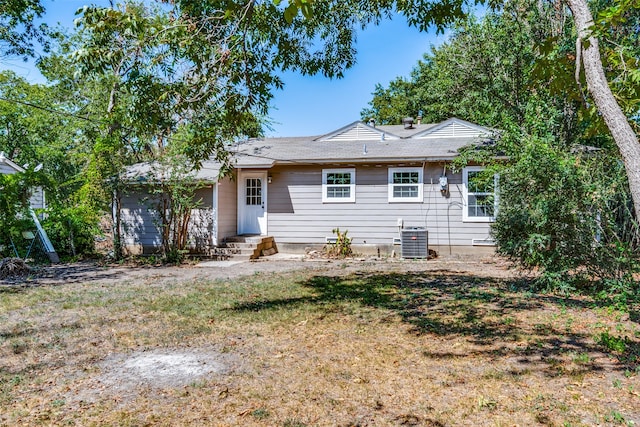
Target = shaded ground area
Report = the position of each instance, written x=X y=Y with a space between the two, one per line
x=326 y=343
x=96 y=272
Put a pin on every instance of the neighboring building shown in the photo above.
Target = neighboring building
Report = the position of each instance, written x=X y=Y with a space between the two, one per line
x=36 y=201
x=370 y=180
x=8 y=167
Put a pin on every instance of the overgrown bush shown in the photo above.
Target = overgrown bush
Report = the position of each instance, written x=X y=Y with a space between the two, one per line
x=570 y=216
x=72 y=230
x=172 y=200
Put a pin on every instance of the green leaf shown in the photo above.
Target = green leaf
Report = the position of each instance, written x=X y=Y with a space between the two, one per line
x=290 y=12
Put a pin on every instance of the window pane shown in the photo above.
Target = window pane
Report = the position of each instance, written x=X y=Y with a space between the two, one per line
x=404 y=191
x=481 y=206
x=338 y=178
x=477 y=183
x=406 y=177
x=338 y=192
x=253 y=191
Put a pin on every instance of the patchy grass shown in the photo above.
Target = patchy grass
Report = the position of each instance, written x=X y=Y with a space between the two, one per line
x=353 y=346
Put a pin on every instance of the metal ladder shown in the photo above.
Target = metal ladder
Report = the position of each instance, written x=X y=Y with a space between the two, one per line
x=46 y=243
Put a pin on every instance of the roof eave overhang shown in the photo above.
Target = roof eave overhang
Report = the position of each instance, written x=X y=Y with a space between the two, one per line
x=10 y=163
x=144 y=182
x=364 y=160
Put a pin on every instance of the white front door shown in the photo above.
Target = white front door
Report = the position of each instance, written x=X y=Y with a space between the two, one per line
x=252 y=203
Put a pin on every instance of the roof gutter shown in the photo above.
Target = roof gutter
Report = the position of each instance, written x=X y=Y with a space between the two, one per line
x=366 y=160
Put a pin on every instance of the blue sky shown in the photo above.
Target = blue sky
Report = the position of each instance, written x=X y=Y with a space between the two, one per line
x=308 y=105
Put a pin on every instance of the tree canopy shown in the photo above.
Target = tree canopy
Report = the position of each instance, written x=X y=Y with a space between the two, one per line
x=19 y=29
x=565 y=204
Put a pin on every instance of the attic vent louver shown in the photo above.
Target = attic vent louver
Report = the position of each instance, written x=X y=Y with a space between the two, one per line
x=372 y=123
x=408 y=122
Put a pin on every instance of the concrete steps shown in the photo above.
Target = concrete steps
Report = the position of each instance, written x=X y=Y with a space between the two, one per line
x=241 y=248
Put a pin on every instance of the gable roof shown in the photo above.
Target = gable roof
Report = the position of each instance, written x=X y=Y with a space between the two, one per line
x=357 y=131
x=267 y=152
x=355 y=143
x=7 y=166
x=455 y=128
x=358 y=142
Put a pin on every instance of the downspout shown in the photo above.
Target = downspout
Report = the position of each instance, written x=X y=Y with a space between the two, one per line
x=216 y=213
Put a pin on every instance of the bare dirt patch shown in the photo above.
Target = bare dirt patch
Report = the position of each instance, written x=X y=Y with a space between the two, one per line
x=127 y=375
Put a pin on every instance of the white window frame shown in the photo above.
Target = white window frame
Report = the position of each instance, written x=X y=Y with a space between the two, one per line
x=465 y=195
x=391 y=185
x=351 y=186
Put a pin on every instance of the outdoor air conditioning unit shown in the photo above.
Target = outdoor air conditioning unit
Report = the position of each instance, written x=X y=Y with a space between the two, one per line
x=414 y=242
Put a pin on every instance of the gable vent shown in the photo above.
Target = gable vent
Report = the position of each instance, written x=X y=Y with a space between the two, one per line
x=356 y=133
x=455 y=130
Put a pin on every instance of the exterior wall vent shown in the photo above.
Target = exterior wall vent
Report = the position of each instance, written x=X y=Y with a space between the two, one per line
x=483 y=242
x=414 y=242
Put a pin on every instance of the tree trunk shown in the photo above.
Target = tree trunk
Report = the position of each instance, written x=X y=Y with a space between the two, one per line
x=614 y=117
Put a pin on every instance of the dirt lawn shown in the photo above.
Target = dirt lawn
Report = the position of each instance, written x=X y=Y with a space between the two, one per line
x=292 y=342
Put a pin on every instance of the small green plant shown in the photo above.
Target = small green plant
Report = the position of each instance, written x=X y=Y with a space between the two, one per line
x=612 y=342
x=616 y=417
x=487 y=403
x=582 y=358
x=568 y=324
x=58 y=403
x=175 y=256
x=507 y=321
x=260 y=414
x=341 y=248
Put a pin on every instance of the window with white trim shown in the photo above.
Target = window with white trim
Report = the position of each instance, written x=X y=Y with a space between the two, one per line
x=338 y=185
x=480 y=196
x=406 y=185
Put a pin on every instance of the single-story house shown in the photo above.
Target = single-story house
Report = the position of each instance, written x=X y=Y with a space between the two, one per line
x=372 y=181
x=8 y=167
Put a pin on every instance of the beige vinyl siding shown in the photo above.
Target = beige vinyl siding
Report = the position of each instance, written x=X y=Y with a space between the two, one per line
x=297 y=214
x=227 y=209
